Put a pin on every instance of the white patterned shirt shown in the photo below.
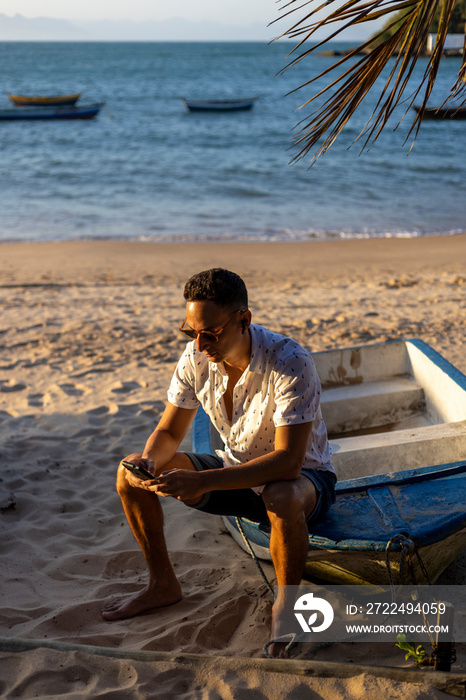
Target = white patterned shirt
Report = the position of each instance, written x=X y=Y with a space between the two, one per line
x=279 y=387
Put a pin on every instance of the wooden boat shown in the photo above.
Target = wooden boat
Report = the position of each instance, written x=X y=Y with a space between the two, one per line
x=44 y=100
x=443 y=112
x=396 y=419
x=47 y=113
x=219 y=105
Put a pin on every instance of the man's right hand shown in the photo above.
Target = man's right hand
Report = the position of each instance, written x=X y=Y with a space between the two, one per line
x=148 y=464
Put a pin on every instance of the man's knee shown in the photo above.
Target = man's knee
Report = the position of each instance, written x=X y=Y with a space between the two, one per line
x=281 y=498
x=291 y=499
x=122 y=483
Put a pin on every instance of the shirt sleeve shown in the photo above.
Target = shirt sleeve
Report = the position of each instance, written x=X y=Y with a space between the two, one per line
x=297 y=391
x=181 y=391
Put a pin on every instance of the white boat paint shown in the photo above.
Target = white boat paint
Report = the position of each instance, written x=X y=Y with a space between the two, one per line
x=407 y=403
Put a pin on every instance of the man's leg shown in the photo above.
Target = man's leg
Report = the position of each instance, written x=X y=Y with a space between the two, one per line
x=145 y=517
x=288 y=504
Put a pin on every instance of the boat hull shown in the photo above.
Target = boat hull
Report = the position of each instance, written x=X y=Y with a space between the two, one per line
x=51 y=113
x=428 y=512
x=44 y=100
x=444 y=113
x=219 y=105
x=391 y=493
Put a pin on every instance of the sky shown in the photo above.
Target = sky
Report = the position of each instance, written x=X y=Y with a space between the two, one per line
x=234 y=13
x=239 y=12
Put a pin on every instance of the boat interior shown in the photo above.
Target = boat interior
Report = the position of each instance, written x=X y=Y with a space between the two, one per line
x=391 y=407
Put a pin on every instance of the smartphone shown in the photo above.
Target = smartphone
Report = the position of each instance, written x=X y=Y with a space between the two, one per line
x=138 y=471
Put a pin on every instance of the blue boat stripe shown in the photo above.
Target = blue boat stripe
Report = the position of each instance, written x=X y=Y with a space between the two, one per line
x=408 y=476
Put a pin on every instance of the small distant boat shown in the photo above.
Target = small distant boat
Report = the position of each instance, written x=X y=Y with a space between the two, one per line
x=219 y=105
x=44 y=100
x=443 y=112
x=47 y=113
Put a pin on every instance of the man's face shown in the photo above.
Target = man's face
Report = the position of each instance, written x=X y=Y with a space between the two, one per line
x=208 y=316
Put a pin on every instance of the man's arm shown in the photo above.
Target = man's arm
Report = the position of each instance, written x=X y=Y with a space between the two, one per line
x=283 y=463
x=162 y=445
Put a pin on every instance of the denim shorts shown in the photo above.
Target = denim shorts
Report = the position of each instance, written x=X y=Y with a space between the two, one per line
x=246 y=503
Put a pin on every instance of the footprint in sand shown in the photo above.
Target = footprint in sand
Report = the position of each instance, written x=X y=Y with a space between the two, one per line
x=99 y=415
x=126 y=387
x=11 y=385
x=36 y=400
x=99 y=411
x=74 y=389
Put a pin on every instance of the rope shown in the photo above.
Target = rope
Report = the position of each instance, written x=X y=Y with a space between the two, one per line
x=407 y=546
x=292 y=639
x=423 y=568
x=255 y=559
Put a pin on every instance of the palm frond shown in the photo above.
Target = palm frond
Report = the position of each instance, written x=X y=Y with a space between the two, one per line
x=344 y=94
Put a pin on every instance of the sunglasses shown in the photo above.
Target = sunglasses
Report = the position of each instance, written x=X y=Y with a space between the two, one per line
x=212 y=336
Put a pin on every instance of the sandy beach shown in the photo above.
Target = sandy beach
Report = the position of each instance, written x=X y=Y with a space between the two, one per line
x=89 y=336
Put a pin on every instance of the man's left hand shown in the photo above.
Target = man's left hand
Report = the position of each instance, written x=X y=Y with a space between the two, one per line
x=182 y=484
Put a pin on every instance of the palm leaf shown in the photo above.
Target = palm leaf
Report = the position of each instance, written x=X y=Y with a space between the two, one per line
x=344 y=94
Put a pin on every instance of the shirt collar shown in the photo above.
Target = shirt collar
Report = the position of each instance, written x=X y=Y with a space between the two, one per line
x=257 y=362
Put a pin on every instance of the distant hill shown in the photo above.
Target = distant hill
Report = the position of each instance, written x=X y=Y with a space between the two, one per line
x=19 y=28
x=176 y=29
x=458 y=18
x=456 y=26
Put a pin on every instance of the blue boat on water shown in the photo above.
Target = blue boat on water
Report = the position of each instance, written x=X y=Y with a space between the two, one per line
x=439 y=113
x=51 y=112
x=219 y=105
x=396 y=417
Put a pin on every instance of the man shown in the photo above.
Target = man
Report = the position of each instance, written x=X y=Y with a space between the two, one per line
x=262 y=393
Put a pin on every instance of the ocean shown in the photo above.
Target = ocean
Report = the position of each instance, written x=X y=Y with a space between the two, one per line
x=147 y=169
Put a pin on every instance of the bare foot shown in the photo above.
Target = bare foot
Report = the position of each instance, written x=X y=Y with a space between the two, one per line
x=143 y=602
x=282 y=613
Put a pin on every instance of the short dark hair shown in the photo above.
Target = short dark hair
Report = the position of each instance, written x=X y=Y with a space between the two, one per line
x=221 y=286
